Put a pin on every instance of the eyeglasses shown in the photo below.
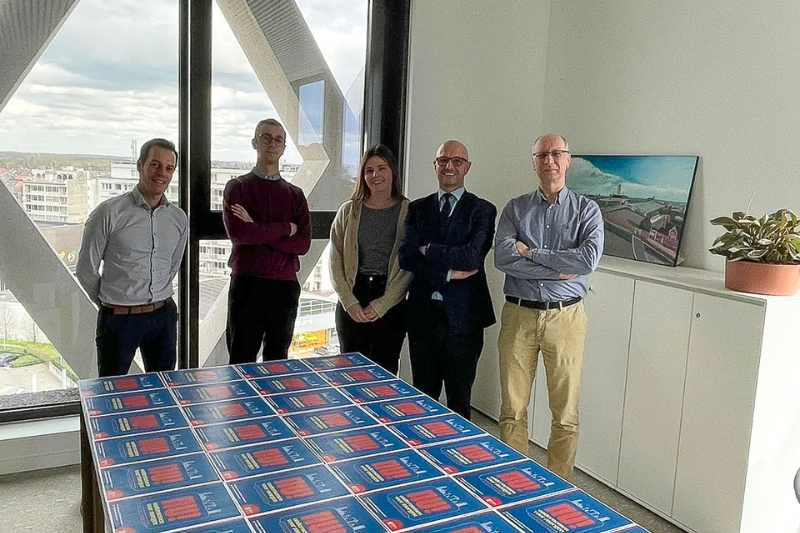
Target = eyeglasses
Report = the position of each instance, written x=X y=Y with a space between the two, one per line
x=269 y=139
x=556 y=154
x=443 y=161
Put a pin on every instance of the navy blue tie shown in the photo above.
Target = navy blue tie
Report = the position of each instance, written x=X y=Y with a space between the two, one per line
x=446 y=207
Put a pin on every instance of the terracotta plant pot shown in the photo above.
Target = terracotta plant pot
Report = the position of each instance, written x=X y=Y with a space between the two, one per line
x=762 y=278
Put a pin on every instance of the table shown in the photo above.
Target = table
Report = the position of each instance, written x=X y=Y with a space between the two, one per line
x=324 y=445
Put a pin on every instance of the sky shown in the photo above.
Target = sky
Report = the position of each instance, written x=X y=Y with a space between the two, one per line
x=109 y=76
x=664 y=177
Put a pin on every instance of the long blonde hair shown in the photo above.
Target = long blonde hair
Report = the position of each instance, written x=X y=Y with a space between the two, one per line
x=361 y=191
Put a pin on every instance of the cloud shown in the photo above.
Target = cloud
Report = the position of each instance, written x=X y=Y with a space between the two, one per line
x=110 y=75
x=585 y=178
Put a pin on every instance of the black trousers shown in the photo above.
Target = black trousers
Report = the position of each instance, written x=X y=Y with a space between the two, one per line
x=118 y=337
x=380 y=341
x=440 y=355
x=261 y=314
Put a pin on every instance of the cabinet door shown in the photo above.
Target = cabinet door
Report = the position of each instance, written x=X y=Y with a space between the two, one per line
x=721 y=372
x=654 y=393
x=608 y=307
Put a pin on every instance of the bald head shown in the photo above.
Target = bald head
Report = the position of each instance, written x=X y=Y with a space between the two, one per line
x=551 y=159
x=549 y=138
x=451 y=165
x=453 y=146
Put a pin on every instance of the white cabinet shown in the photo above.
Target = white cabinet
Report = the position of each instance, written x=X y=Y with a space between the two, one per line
x=608 y=307
x=654 y=392
x=605 y=363
x=721 y=374
x=690 y=397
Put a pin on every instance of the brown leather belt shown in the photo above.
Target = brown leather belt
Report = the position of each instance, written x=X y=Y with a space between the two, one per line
x=135 y=309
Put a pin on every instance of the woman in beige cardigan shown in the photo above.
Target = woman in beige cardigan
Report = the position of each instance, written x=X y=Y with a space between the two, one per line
x=365 y=238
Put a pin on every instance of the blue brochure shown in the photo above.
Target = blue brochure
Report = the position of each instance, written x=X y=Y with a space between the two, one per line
x=239 y=433
x=194 y=376
x=421 y=503
x=576 y=512
x=228 y=411
x=488 y=522
x=295 y=402
x=329 y=420
x=213 y=392
x=233 y=526
x=263 y=458
x=386 y=470
x=362 y=374
x=265 y=494
x=470 y=454
x=139 y=382
x=145 y=447
x=513 y=483
x=272 y=368
x=156 y=513
x=356 y=443
x=136 y=422
x=405 y=409
x=291 y=383
x=156 y=476
x=129 y=401
x=345 y=515
x=347 y=360
x=435 y=429
x=386 y=390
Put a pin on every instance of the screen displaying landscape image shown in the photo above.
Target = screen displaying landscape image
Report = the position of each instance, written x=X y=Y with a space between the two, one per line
x=643 y=198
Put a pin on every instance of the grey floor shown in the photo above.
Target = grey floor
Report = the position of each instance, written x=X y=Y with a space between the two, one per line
x=49 y=500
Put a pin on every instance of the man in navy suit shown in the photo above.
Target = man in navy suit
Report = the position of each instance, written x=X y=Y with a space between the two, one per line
x=447 y=237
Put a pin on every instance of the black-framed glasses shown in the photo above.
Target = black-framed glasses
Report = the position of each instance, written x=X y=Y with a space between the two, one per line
x=555 y=154
x=443 y=161
x=269 y=139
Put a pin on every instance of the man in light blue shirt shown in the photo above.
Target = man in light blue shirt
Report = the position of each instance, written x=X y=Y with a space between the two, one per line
x=547 y=244
x=139 y=238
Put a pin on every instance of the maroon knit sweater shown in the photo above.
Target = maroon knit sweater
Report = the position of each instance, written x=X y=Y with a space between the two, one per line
x=263 y=248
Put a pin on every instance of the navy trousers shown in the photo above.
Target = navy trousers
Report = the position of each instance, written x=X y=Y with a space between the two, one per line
x=118 y=337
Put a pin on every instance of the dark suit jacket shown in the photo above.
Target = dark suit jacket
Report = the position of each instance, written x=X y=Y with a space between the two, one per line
x=462 y=244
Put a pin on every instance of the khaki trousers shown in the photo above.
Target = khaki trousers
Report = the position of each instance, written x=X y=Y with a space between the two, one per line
x=559 y=334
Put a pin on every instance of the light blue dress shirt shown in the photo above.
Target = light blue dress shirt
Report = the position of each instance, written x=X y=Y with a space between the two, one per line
x=564 y=237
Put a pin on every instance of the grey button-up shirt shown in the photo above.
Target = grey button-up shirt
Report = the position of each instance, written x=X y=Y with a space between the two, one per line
x=140 y=250
x=565 y=237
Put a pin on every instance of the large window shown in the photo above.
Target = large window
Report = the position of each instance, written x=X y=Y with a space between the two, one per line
x=70 y=129
x=84 y=83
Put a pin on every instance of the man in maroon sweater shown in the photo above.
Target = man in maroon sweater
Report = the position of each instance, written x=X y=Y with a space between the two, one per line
x=268 y=222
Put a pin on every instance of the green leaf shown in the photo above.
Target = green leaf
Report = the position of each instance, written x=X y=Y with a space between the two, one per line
x=722 y=221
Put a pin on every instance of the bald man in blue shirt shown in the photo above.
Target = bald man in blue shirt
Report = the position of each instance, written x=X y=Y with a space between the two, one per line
x=547 y=244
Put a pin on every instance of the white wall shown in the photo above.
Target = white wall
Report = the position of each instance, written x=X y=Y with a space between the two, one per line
x=477 y=75
x=717 y=79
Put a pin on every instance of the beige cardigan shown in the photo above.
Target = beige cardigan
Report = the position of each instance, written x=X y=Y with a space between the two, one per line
x=344 y=259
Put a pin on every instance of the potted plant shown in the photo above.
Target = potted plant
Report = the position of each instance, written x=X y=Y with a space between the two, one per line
x=763 y=254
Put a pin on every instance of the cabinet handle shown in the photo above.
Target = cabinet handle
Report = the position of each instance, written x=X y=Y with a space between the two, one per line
x=697 y=315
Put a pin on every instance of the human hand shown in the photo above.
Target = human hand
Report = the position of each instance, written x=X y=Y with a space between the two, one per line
x=241 y=213
x=522 y=249
x=356 y=312
x=564 y=275
x=370 y=313
x=292 y=228
x=462 y=274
